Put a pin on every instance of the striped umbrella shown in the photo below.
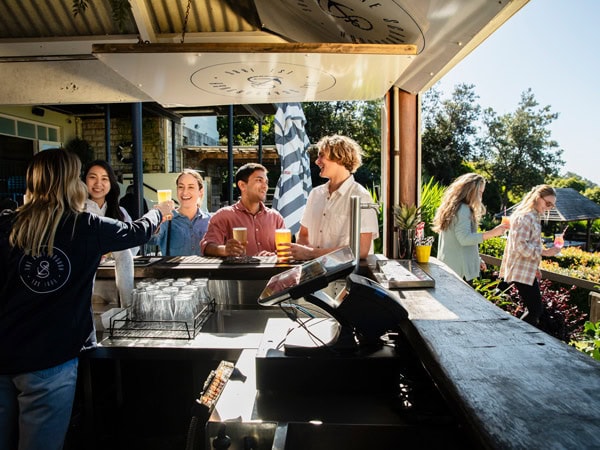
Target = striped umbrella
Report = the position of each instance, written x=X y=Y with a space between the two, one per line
x=294 y=183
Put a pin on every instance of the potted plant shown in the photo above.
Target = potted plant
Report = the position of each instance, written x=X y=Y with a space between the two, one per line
x=406 y=219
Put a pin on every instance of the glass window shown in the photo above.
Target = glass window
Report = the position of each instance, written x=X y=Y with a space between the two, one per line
x=7 y=126
x=26 y=130
x=52 y=134
x=42 y=132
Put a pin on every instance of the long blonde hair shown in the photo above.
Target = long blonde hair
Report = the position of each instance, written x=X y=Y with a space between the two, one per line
x=528 y=203
x=465 y=189
x=54 y=190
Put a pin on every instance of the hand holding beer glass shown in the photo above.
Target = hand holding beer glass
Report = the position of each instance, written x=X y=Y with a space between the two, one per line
x=165 y=195
x=240 y=234
x=283 y=237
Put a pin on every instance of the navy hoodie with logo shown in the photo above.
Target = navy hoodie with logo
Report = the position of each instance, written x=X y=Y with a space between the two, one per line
x=46 y=313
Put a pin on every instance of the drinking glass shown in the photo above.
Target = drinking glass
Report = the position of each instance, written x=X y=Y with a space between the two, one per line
x=139 y=297
x=283 y=236
x=240 y=234
x=184 y=309
x=506 y=221
x=163 y=195
x=559 y=241
x=162 y=307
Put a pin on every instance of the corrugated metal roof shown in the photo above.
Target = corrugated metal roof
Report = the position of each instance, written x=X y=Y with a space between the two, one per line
x=38 y=36
x=570 y=206
x=55 y=19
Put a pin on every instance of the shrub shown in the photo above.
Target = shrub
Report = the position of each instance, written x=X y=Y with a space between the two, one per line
x=559 y=318
x=493 y=247
x=588 y=341
x=576 y=263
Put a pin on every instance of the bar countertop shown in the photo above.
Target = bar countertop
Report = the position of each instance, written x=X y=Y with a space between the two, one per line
x=512 y=385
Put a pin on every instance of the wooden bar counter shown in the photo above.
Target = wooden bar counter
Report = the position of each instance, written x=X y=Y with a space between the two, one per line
x=514 y=385
x=510 y=385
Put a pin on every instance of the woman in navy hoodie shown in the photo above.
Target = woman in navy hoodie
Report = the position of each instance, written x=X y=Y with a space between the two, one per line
x=49 y=253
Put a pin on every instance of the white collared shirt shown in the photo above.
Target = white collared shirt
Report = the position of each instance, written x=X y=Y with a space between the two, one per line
x=327 y=217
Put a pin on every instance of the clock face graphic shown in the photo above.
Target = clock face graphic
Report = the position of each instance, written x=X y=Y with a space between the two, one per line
x=262 y=79
x=358 y=21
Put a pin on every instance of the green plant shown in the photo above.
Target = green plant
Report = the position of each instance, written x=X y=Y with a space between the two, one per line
x=560 y=318
x=377 y=243
x=406 y=217
x=575 y=262
x=431 y=199
x=493 y=247
x=588 y=341
x=121 y=9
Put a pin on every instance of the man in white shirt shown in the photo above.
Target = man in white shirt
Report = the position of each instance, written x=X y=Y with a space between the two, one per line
x=325 y=224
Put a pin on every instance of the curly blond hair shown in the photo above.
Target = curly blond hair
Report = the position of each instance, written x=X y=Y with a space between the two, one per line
x=464 y=190
x=342 y=150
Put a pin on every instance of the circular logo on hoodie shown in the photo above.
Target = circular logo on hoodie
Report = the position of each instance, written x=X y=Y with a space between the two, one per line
x=44 y=273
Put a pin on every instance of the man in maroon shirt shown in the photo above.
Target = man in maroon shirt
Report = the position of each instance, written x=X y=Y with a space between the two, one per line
x=249 y=212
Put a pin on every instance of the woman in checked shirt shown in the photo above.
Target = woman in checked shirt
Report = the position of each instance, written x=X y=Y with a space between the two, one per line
x=524 y=249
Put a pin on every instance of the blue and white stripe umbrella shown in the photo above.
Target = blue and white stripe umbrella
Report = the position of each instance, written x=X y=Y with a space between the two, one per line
x=295 y=183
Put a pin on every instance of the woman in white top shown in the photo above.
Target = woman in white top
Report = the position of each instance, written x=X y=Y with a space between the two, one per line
x=103 y=200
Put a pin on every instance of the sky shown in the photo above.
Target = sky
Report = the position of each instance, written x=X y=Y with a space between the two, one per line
x=552 y=47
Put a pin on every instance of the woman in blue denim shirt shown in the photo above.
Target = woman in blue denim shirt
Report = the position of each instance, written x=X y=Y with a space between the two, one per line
x=182 y=235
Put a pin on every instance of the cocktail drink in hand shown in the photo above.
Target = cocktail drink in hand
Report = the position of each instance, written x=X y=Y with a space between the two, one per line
x=559 y=241
x=506 y=222
x=240 y=234
x=283 y=236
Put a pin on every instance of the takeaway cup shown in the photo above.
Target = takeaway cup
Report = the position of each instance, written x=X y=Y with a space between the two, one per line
x=422 y=253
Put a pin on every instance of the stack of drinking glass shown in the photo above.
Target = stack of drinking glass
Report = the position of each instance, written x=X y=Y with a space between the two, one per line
x=173 y=307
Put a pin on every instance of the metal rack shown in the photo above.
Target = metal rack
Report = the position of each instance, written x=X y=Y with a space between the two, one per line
x=124 y=326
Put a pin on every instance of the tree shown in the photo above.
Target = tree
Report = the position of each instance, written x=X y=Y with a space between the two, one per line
x=360 y=120
x=571 y=180
x=245 y=130
x=517 y=147
x=450 y=131
x=593 y=194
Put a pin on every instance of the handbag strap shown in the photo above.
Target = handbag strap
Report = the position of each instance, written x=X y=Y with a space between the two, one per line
x=168 y=239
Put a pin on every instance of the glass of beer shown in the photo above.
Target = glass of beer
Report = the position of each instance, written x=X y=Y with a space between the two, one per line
x=163 y=195
x=240 y=234
x=283 y=236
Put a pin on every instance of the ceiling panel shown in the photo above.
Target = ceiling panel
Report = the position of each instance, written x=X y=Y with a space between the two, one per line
x=279 y=73
x=42 y=45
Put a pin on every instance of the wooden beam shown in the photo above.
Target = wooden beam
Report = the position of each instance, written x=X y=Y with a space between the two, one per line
x=248 y=47
x=409 y=138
